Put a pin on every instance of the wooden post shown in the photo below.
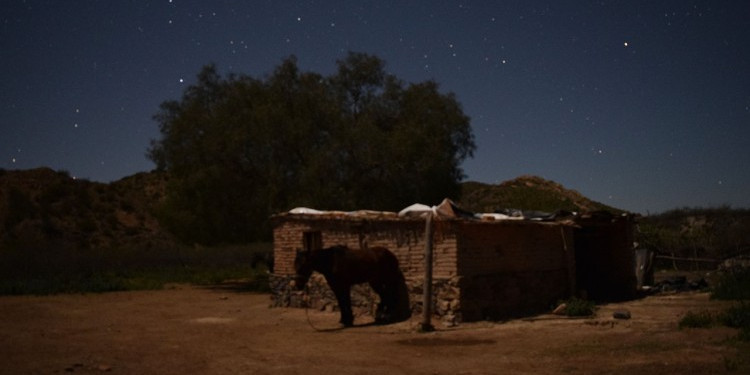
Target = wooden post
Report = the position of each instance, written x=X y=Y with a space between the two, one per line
x=426 y=325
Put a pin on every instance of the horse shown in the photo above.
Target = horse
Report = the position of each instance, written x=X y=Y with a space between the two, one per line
x=343 y=267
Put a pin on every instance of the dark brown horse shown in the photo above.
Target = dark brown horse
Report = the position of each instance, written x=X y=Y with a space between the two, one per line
x=344 y=267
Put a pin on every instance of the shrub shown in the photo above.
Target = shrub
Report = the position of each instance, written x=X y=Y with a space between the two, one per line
x=733 y=285
x=744 y=334
x=20 y=208
x=737 y=316
x=579 y=307
x=701 y=319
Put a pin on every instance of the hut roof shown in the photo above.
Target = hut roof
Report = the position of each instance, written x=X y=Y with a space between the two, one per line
x=446 y=210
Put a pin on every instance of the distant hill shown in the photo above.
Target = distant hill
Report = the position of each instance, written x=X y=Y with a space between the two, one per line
x=45 y=209
x=41 y=208
x=526 y=193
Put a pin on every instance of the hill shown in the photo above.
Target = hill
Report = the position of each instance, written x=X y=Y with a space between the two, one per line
x=45 y=209
x=526 y=193
x=41 y=208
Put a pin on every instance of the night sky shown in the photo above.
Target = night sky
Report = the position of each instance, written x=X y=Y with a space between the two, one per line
x=641 y=105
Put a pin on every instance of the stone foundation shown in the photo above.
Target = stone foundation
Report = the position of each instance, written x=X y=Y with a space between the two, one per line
x=446 y=297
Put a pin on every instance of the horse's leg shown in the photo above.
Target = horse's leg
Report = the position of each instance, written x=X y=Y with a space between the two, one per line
x=381 y=290
x=390 y=299
x=343 y=296
x=395 y=299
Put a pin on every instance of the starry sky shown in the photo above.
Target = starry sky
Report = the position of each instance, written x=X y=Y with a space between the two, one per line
x=641 y=105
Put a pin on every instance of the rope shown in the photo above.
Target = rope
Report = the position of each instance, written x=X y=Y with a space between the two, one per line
x=307 y=312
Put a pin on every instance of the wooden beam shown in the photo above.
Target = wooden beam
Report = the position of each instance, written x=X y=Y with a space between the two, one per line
x=426 y=325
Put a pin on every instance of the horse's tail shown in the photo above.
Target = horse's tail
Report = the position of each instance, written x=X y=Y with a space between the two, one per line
x=402 y=309
x=396 y=289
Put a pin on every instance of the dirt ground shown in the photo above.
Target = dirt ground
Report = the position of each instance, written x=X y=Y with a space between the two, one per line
x=191 y=330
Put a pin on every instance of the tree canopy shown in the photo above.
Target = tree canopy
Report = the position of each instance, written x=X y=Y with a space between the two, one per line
x=239 y=149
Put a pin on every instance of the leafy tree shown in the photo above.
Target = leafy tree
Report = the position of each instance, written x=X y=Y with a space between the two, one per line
x=239 y=149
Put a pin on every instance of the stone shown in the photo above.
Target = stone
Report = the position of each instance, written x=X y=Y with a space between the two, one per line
x=444 y=306
x=560 y=309
x=104 y=368
x=621 y=314
x=455 y=305
x=449 y=320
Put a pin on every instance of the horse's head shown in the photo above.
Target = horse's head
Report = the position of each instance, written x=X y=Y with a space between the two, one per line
x=303 y=268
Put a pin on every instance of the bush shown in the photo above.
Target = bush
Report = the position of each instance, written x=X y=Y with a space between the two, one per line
x=737 y=316
x=701 y=319
x=579 y=307
x=733 y=285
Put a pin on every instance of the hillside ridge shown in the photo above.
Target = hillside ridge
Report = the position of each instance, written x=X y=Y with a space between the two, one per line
x=42 y=208
x=527 y=192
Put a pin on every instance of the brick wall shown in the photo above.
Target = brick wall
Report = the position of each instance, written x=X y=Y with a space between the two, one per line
x=511 y=246
x=513 y=268
x=287 y=239
x=405 y=238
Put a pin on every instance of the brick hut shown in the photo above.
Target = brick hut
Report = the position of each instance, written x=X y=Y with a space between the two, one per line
x=485 y=266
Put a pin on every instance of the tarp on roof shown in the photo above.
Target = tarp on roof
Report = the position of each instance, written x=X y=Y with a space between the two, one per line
x=305 y=211
x=446 y=209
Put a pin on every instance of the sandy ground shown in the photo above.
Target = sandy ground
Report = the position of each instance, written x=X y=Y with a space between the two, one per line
x=191 y=330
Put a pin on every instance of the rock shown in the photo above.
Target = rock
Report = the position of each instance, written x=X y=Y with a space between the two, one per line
x=621 y=314
x=443 y=306
x=449 y=320
x=104 y=368
x=455 y=305
x=560 y=309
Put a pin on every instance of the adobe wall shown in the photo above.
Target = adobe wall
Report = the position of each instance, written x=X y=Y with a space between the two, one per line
x=606 y=258
x=513 y=268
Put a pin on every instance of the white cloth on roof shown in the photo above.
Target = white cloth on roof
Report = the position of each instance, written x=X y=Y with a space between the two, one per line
x=416 y=209
x=305 y=211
